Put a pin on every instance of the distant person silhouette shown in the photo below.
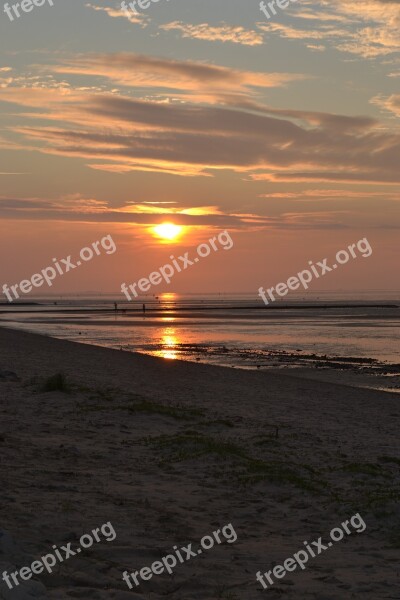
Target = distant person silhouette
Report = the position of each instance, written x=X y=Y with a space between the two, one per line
x=144 y=309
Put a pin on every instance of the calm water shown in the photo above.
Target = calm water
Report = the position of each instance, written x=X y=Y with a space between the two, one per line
x=234 y=330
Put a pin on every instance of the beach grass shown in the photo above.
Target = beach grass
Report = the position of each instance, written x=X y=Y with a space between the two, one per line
x=191 y=445
x=147 y=407
x=56 y=383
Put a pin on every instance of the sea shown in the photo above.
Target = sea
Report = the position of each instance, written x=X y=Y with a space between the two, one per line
x=341 y=331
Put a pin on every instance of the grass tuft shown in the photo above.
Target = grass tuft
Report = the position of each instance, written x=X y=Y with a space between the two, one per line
x=56 y=383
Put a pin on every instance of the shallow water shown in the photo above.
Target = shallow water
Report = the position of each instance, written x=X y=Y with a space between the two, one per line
x=227 y=330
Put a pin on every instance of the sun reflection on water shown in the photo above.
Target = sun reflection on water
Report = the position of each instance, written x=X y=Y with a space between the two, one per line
x=169 y=344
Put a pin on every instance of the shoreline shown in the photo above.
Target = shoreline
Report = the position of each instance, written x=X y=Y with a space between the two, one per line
x=358 y=372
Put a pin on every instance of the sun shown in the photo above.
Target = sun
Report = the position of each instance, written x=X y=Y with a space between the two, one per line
x=168 y=231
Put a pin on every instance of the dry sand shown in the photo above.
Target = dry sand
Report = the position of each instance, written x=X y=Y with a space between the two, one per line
x=170 y=451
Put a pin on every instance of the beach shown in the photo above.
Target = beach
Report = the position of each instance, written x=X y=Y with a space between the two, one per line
x=168 y=451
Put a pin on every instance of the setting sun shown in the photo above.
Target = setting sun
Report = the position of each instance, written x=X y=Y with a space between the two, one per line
x=168 y=231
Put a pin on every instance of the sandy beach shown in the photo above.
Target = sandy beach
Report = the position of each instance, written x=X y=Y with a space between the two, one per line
x=168 y=452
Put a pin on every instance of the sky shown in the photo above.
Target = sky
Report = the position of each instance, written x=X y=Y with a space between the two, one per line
x=282 y=131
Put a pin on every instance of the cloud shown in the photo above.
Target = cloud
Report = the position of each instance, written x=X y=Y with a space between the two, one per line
x=325 y=195
x=118 y=13
x=187 y=139
x=139 y=71
x=232 y=131
x=294 y=33
x=34 y=209
x=22 y=203
x=368 y=29
x=222 y=33
x=316 y=47
x=391 y=103
x=69 y=209
x=69 y=202
x=318 y=194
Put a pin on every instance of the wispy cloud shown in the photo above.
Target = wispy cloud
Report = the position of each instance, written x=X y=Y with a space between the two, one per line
x=369 y=29
x=118 y=13
x=189 y=139
x=221 y=33
x=135 y=70
x=317 y=195
x=390 y=103
x=225 y=128
x=139 y=214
